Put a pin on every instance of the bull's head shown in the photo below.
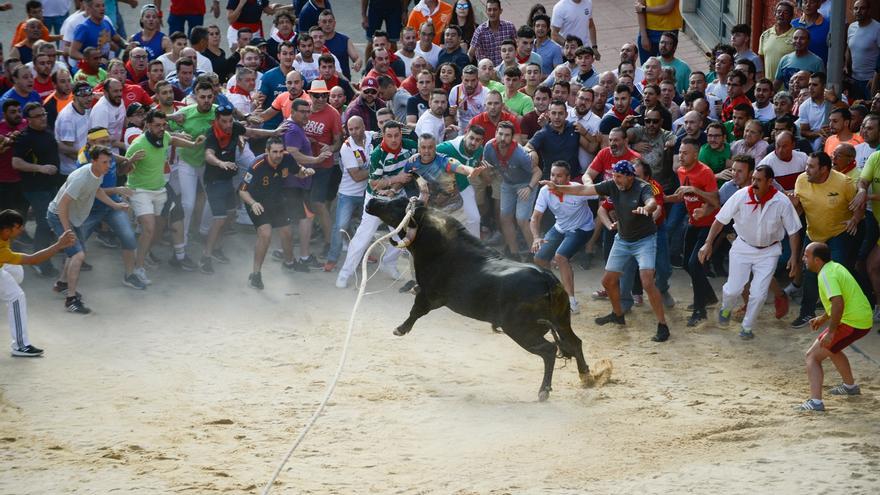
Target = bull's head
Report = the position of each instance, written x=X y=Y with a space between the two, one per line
x=392 y=212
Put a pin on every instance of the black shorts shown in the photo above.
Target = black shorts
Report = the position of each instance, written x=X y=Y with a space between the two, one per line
x=295 y=201
x=274 y=213
x=325 y=183
x=221 y=197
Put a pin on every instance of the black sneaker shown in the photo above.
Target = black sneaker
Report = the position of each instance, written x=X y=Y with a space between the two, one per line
x=46 y=270
x=662 y=333
x=219 y=256
x=61 y=288
x=278 y=254
x=75 y=305
x=301 y=265
x=186 y=264
x=312 y=262
x=802 y=321
x=28 y=351
x=85 y=267
x=696 y=318
x=205 y=265
x=107 y=240
x=676 y=262
x=152 y=259
x=289 y=265
x=132 y=280
x=611 y=318
x=255 y=281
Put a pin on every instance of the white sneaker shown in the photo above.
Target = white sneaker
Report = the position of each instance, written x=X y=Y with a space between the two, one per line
x=141 y=274
x=390 y=270
x=575 y=308
x=792 y=291
x=342 y=281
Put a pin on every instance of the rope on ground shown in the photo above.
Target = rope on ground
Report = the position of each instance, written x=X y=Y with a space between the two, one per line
x=869 y=358
x=332 y=385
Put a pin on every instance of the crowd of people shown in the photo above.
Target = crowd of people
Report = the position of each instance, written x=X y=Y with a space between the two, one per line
x=750 y=169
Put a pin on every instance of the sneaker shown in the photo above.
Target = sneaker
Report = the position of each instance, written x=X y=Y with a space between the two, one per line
x=575 y=308
x=142 y=275
x=662 y=333
x=186 y=264
x=724 y=317
x=46 y=270
x=60 y=287
x=802 y=321
x=27 y=351
x=342 y=281
x=75 y=305
x=107 y=240
x=792 y=291
x=152 y=259
x=600 y=294
x=329 y=266
x=219 y=256
x=255 y=281
x=711 y=301
x=312 y=262
x=811 y=405
x=611 y=318
x=781 y=305
x=278 y=254
x=676 y=262
x=696 y=318
x=410 y=285
x=844 y=390
x=299 y=266
x=746 y=334
x=205 y=265
x=390 y=270
x=638 y=300
x=132 y=280
x=668 y=300
x=85 y=267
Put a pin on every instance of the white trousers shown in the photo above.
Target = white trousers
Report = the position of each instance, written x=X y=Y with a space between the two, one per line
x=472 y=213
x=362 y=240
x=748 y=261
x=16 y=304
x=185 y=179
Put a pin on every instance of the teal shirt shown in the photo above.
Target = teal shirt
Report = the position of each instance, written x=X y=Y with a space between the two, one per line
x=455 y=148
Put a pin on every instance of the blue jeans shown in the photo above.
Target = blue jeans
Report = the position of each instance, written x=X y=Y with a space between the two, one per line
x=840 y=246
x=176 y=22
x=346 y=206
x=117 y=220
x=54 y=22
x=654 y=36
x=662 y=271
x=39 y=201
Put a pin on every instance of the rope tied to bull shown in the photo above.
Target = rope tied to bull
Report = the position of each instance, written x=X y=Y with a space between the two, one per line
x=410 y=210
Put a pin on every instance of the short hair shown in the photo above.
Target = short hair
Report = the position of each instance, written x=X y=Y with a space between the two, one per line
x=844 y=113
x=508 y=41
x=821 y=156
x=282 y=15
x=203 y=85
x=872 y=116
x=544 y=89
x=440 y=92
x=10 y=103
x=822 y=251
x=584 y=50
x=184 y=62
x=29 y=107
x=299 y=103
x=327 y=13
x=617 y=130
x=564 y=84
x=384 y=81
x=766 y=81
x=622 y=88
x=513 y=72
x=242 y=71
x=784 y=95
x=98 y=150
x=805 y=30
x=17 y=71
x=525 y=31
x=154 y=114
x=197 y=34
x=504 y=124
x=496 y=2
x=574 y=39
x=155 y=62
x=392 y=124
x=541 y=17
x=691 y=141
x=161 y=84
x=741 y=29
x=558 y=102
x=274 y=140
x=244 y=30
x=481 y=131
x=745 y=107
x=738 y=74
x=788 y=121
x=289 y=44
x=719 y=126
x=54 y=76
x=820 y=76
x=33 y=4
x=10 y=218
x=699 y=73
x=765 y=169
x=652 y=86
x=384 y=111
x=562 y=164
x=326 y=58
x=470 y=69
x=788 y=5
x=427 y=136
x=752 y=68
x=747 y=159
x=178 y=35
x=625 y=62
x=673 y=35
x=493 y=92
x=455 y=28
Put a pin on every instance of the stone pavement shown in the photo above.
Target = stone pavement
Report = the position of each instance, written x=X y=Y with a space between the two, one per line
x=616 y=23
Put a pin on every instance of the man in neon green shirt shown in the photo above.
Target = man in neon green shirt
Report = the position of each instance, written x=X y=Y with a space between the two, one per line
x=848 y=315
x=515 y=101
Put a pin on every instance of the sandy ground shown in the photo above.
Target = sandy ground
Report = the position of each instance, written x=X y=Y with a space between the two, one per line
x=199 y=384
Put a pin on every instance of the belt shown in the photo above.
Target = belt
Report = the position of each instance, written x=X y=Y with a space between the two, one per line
x=761 y=247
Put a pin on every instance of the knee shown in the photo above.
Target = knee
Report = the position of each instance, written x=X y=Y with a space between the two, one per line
x=610 y=279
x=560 y=260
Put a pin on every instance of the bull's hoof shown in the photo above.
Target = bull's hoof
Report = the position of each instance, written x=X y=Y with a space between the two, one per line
x=401 y=331
x=497 y=329
x=543 y=395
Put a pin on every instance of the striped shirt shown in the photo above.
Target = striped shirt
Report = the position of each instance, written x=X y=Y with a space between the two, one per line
x=385 y=164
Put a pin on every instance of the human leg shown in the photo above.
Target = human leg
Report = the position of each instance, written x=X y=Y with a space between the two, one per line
x=16 y=304
x=264 y=236
x=762 y=267
x=345 y=208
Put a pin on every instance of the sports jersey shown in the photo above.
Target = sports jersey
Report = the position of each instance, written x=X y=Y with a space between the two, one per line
x=264 y=182
x=571 y=212
x=826 y=205
x=836 y=280
x=387 y=163
x=195 y=124
x=7 y=255
x=439 y=174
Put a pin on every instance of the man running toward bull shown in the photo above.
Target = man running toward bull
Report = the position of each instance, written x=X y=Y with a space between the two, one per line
x=636 y=237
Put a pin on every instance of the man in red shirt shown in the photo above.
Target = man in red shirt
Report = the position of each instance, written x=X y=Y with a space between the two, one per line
x=11 y=196
x=324 y=130
x=736 y=83
x=494 y=114
x=43 y=85
x=617 y=150
x=382 y=66
x=699 y=191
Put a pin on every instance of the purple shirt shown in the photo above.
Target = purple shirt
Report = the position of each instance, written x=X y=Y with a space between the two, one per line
x=295 y=137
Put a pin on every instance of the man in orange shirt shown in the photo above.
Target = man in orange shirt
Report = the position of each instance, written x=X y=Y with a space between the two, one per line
x=838 y=123
x=439 y=13
x=34 y=11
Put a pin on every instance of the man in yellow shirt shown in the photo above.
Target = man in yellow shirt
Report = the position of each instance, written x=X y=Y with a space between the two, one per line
x=11 y=275
x=824 y=195
x=655 y=18
x=776 y=41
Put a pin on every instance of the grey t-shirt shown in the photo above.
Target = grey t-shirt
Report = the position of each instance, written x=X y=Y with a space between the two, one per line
x=81 y=186
x=630 y=226
x=864 y=44
x=654 y=157
x=515 y=169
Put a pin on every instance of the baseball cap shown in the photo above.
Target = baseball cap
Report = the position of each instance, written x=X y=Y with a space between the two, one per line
x=371 y=83
x=133 y=109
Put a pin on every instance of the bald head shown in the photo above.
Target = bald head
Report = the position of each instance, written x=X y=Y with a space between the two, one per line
x=784 y=145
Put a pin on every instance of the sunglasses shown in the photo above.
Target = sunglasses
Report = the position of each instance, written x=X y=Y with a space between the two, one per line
x=225 y=109
x=652 y=121
x=370 y=91
x=320 y=95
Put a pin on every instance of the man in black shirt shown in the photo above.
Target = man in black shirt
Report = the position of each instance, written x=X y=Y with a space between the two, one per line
x=220 y=155
x=261 y=193
x=36 y=159
x=636 y=238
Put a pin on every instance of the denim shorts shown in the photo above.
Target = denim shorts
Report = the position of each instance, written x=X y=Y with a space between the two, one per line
x=511 y=203
x=643 y=250
x=58 y=228
x=564 y=244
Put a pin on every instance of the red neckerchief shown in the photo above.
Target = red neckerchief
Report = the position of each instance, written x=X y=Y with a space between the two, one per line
x=136 y=76
x=762 y=201
x=629 y=111
x=285 y=38
x=559 y=194
x=238 y=91
x=504 y=159
x=393 y=151
x=849 y=167
x=332 y=82
x=223 y=138
x=324 y=49
x=522 y=60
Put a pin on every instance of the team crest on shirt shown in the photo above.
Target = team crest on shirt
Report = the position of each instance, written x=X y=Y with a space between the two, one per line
x=248 y=177
x=284 y=173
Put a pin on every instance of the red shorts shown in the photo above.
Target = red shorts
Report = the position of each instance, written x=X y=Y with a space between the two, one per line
x=843 y=337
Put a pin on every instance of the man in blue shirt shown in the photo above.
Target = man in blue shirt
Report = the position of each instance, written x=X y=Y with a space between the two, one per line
x=549 y=50
x=95 y=31
x=274 y=81
x=556 y=141
x=22 y=89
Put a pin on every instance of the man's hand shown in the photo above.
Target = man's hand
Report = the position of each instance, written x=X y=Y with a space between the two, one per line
x=726 y=174
x=629 y=121
x=357 y=64
x=257 y=208
x=549 y=183
x=792 y=196
x=119 y=206
x=859 y=200
x=817 y=322
x=125 y=192
x=307 y=172
x=536 y=245
x=642 y=147
x=700 y=212
x=365 y=23
x=67 y=239
x=177 y=117
x=543 y=119
x=48 y=169
x=684 y=190
x=642 y=210
x=476 y=171
x=704 y=253
x=852 y=226
x=254 y=120
x=523 y=193
x=228 y=166
x=794 y=267
x=137 y=156
x=199 y=140
x=282 y=127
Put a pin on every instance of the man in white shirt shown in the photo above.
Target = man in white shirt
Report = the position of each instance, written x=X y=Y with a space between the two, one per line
x=762 y=216
x=426 y=48
x=786 y=162
x=813 y=113
x=764 y=110
x=72 y=127
x=468 y=99
x=586 y=123
x=109 y=113
x=408 y=41
x=870 y=132
x=574 y=17
x=431 y=122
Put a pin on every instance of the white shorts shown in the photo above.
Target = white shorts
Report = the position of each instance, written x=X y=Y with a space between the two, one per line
x=146 y=202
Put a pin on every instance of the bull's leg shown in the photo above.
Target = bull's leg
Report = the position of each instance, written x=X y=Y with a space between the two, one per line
x=421 y=306
x=532 y=339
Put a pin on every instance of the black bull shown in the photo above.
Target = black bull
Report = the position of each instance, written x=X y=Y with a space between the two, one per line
x=454 y=269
